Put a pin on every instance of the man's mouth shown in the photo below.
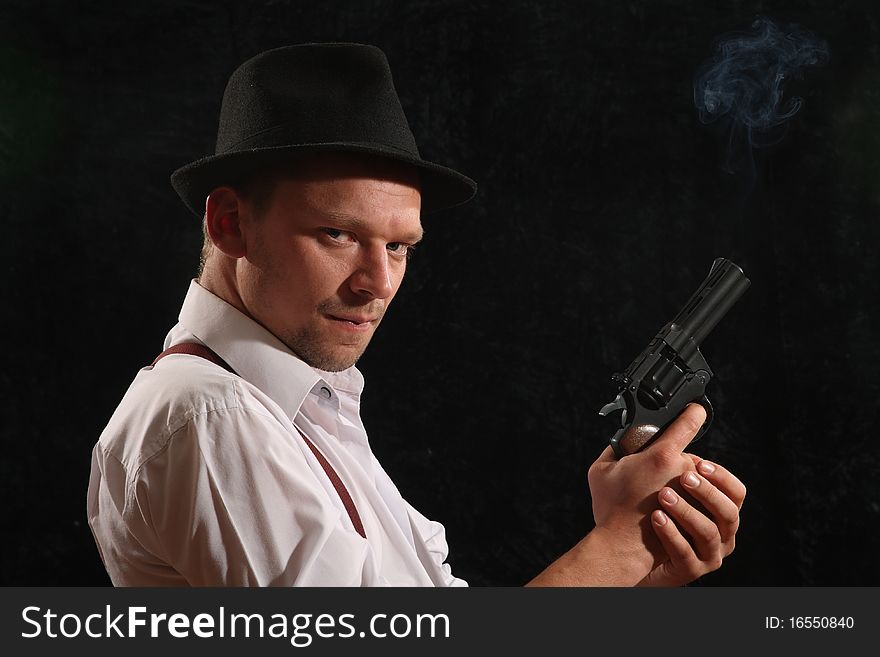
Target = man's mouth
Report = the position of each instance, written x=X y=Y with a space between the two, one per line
x=354 y=322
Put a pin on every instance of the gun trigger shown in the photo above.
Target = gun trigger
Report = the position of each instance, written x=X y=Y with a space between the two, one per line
x=617 y=405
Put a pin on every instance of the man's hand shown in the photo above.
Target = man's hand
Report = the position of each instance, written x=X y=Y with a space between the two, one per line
x=721 y=495
x=627 y=492
x=631 y=544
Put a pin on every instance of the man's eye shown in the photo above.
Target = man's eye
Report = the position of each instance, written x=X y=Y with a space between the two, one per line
x=401 y=249
x=337 y=235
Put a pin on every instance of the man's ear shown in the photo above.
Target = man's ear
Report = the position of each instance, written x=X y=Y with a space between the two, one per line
x=222 y=219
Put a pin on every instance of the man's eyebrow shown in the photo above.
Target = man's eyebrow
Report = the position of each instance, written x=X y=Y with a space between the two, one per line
x=355 y=224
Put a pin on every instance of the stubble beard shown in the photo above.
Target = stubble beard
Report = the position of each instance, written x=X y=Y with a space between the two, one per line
x=307 y=345
x=311 y=345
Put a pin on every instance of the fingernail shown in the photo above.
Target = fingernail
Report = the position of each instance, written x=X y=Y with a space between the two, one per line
x=669 y=497
x=692 y=480
x=706 y=468
x=659 y=518
x=700 y=406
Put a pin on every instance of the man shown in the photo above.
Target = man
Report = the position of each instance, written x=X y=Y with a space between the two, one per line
x=239 y=457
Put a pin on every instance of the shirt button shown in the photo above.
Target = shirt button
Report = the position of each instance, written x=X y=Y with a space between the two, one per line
x=325 y=392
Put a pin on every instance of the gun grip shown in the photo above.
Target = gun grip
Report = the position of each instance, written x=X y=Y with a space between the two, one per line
x=634 y=438
x=631 y=439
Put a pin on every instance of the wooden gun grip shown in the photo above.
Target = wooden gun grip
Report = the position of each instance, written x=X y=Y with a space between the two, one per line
x=637 y=437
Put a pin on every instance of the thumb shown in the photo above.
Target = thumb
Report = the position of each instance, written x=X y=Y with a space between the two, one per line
x=681 y=432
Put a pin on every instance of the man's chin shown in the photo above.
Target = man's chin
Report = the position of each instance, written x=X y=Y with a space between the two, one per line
x=334 y=366
x=326 y=360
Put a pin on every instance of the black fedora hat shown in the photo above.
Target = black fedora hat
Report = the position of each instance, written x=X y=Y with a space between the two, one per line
x=310 y=98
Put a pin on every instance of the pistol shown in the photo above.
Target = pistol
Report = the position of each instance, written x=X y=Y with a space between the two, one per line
x=672 y=372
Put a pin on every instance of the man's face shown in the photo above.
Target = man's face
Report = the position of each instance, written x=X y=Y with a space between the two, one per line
x=328 y=254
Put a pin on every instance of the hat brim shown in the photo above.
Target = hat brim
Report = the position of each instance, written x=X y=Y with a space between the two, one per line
x=441 y=187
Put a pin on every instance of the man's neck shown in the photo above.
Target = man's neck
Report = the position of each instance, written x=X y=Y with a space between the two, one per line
x=218 y=277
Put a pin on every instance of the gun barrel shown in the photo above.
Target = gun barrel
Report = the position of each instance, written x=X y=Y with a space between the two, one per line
x=721 y=289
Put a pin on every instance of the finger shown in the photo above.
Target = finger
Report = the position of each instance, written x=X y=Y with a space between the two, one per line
x=681 y=554
x=715 y=502
x=703 y=532
x=681 y=432
x=724 y=480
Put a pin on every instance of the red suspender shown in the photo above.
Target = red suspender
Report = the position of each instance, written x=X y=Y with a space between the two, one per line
x=195 y=349
x=347 y=502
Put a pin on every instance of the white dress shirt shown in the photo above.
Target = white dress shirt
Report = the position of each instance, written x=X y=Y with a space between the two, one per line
x=200 y=478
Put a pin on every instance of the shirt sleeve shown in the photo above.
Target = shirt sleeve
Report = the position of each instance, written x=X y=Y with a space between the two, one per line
x=433 y=536
x=231 y=501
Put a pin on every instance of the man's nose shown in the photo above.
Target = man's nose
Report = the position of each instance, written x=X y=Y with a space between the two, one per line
x=372 y=279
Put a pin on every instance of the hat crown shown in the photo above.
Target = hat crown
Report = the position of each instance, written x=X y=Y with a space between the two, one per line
x=293 y=101
x=313 y=94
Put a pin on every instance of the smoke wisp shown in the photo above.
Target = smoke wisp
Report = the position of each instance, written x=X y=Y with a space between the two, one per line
x=743 y=84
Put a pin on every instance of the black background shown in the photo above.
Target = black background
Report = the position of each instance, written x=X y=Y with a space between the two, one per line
x=602 y=204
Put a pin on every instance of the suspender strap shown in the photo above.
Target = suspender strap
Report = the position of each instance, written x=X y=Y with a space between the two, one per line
x=347 y=502
x=195 y=349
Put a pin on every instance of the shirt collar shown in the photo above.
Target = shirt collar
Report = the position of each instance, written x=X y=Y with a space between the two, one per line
x=258 y=356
